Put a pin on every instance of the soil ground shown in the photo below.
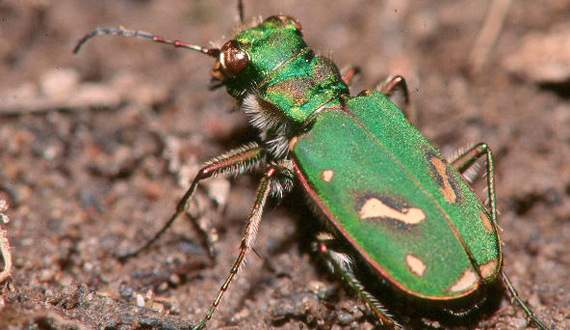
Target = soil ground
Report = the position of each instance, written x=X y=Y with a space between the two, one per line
x=96 y=149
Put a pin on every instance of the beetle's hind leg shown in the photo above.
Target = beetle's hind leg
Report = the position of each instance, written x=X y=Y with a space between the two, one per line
x=463 y=162
x=531 y=318
x=236 y=161
x=340 y=262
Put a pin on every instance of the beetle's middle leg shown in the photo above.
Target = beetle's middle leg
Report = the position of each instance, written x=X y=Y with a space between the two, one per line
x=462 y=163
x=396 y=90
x=465 y=160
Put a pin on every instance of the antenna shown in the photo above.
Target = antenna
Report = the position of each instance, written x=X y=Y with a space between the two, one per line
x=213 y=52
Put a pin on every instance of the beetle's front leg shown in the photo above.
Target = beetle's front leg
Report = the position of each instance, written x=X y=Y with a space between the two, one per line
x=250 y=232
x=236 y=161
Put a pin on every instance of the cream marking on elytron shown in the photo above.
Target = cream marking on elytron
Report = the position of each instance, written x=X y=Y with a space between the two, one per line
x=327 y=175
x=292 y=143
x=465 y=281
x=446 y=189
x=416 y=265
x=375 y=208
x=487 y=270
x=486 y=221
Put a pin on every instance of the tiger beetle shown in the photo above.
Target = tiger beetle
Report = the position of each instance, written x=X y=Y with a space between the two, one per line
x=392 y=204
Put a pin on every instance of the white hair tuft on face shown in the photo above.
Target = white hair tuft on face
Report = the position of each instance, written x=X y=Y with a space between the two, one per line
x=274 y=126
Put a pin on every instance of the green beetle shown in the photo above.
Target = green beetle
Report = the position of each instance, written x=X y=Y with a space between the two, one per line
x=387 y=195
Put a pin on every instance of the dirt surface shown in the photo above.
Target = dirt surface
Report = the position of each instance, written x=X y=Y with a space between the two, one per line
x=96 y=149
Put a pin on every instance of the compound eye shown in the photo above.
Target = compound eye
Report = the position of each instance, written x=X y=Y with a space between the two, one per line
x=232 y=58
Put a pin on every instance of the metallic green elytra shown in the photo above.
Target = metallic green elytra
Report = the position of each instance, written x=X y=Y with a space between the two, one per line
x=391 y=194
x=407 y=214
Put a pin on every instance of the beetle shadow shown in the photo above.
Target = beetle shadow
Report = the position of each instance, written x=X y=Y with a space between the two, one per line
x=419 y=313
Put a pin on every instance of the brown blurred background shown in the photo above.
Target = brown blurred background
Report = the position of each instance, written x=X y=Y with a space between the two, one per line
x=96 y=149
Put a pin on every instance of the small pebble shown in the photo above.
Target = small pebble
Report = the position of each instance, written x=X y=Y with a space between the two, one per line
x=140 y=300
